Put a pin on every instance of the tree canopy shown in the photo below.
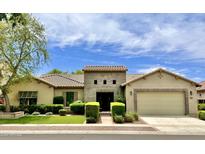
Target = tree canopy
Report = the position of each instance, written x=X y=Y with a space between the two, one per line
x=22 y=50
x=56 y=71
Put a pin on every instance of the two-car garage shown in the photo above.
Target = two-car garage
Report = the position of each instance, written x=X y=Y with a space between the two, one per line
x=160 y=103
x=161 y=93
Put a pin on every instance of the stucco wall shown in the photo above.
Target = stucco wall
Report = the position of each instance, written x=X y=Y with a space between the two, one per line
x=45 y=92
x=167 y=81
x=90 y=88
x=202 y=95
x=60 y=92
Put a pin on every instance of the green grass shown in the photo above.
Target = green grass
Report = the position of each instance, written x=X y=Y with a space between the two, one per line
x=45 y=120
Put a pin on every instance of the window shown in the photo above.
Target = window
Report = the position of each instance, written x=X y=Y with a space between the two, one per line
x=28 y=97
x=191 y=93
x=200 y=95
x=113 y=81
x=95 y=81
x=104 y=81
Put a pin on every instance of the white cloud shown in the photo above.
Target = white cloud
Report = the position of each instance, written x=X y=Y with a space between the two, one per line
x=133 y=35
x=145 y=70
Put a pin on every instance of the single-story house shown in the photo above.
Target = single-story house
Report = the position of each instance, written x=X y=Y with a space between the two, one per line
x=159 y=92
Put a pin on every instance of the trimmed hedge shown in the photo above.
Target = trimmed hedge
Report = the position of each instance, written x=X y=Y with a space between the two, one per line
x=62 y=112
x=91 y=120
x=42 y=108
x=2 y=108
x=201 y=115
x=201 y=106
x=54 y=108
x=77 y=107
x=58 y=100
x=92 y=109
x=117 y=108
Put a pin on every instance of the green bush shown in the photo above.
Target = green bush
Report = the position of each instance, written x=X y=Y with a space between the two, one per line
x=119 y=119
x=129 y=117
x=135 y=115
x=77 y=108
x=201 y=115
x=91 y=120
x=62 y=112
x=14 y=108
x=53 y=108
x=58 y=100
x=92 y=109
x=117 y=108
x=35 y=113
x=201 y=106
x=2 y=108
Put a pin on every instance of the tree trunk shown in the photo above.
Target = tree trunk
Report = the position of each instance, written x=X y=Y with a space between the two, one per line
x=6 y=101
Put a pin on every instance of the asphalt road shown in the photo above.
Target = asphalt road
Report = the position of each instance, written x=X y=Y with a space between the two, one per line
x=100 y=137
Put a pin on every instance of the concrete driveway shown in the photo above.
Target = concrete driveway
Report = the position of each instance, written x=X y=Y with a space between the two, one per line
x=177 y=124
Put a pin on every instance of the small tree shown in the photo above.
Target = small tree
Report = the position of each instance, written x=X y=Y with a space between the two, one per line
x=56 y=71
x=78 y=72
x=22 y=51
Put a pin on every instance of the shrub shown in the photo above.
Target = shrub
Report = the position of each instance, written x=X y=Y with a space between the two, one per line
x=118 y=119
x=2 y=108
x=129 y=117
x=77 y=108
x=91 y=120
x=49 y=113
x=15 y=108
x=62 y=112
x=121 y=99
x=35 y=113
x=92 y=109
x=135 y=115
x=201 y=115
x=117 y=108
x=54 y=108
x=201 y=106
x=58 y=100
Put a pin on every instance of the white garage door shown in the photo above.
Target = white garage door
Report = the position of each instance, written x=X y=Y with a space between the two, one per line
x=160 y=103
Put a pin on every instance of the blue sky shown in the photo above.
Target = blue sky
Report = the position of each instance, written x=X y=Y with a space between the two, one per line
x=142 y=42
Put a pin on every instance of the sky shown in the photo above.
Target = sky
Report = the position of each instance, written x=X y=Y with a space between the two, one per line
x=142 y=42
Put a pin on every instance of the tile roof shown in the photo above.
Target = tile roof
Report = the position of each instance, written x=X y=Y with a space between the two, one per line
x=90 y=68
x=202 y=88
x=58 y=80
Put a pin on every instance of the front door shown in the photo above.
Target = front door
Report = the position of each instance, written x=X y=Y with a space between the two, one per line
x=69 y=97
x=104 y=98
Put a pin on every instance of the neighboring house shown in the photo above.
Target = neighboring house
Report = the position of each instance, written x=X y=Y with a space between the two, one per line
x=156 y=93
x=201 y=93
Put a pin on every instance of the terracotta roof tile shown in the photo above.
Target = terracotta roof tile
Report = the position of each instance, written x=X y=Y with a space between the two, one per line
x=58 y=80
x=90 y=68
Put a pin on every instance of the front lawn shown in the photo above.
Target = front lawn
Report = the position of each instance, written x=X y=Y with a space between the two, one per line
x=45 y=120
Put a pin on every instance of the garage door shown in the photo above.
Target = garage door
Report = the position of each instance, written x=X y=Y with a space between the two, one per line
x=160 y=103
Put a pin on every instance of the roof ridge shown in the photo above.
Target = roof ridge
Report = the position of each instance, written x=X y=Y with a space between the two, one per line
x=60 y=75
x=69 y=78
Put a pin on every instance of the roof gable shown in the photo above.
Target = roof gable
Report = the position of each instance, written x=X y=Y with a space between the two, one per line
x=160 y=70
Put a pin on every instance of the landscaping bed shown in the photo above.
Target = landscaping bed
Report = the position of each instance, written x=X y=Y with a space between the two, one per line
x=45 y=120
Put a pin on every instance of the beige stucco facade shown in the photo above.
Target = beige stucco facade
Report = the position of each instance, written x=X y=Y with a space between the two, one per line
x=45 y=92
x=90 y=88
x=160 y=81
x=79 y=92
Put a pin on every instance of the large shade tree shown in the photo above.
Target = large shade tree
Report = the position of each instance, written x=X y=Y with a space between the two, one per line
x=22 y=51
